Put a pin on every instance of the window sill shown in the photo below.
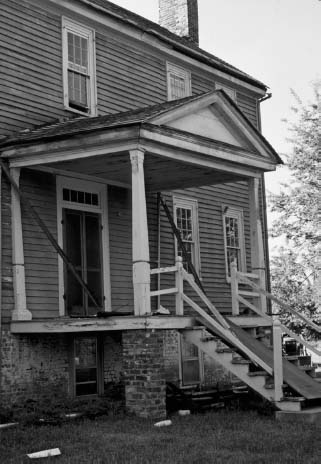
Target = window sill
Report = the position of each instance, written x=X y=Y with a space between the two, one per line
x=73 y=110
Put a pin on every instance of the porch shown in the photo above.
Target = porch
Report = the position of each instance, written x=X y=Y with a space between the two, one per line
x=200 y=141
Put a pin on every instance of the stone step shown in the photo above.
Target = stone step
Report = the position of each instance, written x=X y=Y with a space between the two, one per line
x=309 y=415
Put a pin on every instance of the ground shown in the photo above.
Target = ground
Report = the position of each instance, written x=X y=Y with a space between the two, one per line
x=219 y=437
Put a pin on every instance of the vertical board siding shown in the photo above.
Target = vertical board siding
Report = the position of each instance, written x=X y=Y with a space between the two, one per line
x=41 y=260
x=7 y=302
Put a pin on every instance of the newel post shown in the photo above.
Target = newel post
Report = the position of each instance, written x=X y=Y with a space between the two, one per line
x=20 y=312
x=179 y=283
x=141 y=266
x=277 y=360
x=257 y=247
x=234 y=289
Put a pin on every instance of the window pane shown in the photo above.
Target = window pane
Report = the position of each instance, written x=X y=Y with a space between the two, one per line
x=191 y=371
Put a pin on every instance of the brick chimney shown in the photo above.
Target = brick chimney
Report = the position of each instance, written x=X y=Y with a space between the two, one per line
x=180 y=17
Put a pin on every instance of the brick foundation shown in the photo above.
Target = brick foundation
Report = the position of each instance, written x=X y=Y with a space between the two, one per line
x=144 y=373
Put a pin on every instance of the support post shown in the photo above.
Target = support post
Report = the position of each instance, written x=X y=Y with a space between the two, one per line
x=141 y=266
x=20 y=312
x=179 y=284
x=277 y=360
x=234 y=289
x=257 y=248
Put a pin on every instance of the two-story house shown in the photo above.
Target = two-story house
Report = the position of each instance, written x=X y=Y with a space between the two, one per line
x=130 y=157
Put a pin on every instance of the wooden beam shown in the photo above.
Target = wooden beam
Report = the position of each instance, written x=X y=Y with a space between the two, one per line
x=114 y=323
x=257 y=249
x=20 y=311
x=141 y=267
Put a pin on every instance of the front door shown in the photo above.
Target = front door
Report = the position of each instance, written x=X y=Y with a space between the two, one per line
x=82 y=239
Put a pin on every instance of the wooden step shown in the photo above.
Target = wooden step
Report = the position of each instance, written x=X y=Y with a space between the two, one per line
x=256 y=373
x=240 y=361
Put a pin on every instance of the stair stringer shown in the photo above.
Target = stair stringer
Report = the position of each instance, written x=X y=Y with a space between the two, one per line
x=256 y=383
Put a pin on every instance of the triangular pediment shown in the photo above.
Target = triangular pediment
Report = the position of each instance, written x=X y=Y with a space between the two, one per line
x=216 y=117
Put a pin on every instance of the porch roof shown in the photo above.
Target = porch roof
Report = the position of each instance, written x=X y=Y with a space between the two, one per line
x=206 y=136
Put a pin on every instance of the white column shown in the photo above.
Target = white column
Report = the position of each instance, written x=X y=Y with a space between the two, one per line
x=141 y=267
x=20 y=312
x=257 y=248
x=277 y=360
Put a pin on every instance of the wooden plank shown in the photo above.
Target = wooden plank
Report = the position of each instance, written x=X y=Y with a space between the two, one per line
x=113 y=323
x=167 y=291
x=163 y=270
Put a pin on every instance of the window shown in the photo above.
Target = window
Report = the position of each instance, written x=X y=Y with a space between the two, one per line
x=233 y=239
x=191 y=363
x=78 y=68
x=178 y=82
x=228 y=90
x=186 y=220
x=87 y=366
x=83 y=235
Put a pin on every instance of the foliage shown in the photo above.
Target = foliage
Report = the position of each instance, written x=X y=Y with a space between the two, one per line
x=296 y=270
x=293 y=285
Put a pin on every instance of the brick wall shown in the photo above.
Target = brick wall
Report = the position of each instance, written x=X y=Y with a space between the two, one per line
x=180 y=17
x=144 y=373
x=31 y=365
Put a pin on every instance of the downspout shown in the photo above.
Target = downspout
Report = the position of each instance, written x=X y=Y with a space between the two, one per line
x=265 y=220
x=158 y=247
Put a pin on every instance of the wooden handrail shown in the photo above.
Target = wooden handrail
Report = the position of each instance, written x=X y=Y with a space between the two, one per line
x=279 y=302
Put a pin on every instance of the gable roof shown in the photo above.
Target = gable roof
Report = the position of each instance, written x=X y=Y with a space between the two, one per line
x=182 y=44
x=161 y=114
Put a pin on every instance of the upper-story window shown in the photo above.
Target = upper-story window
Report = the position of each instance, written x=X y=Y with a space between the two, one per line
x=234 y=244
x=79 y=67
x=178 y=82
x=228 y=90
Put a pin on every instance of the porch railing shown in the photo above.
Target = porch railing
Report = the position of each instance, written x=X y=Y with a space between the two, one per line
x=220 y=325
x=214 y=321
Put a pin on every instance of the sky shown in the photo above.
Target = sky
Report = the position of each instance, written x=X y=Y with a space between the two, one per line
x=275 y=41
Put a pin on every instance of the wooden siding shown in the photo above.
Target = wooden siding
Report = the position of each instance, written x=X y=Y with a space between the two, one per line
x=41 y=260
x=129 y=74
x=120 y=241
x=7 y=302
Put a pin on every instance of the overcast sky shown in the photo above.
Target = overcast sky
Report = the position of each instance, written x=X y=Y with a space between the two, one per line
x=276 y=41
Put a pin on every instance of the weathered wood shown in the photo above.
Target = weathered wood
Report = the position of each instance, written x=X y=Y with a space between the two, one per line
x=141 y=267
x=257 y=248
x=285 y=306
x=114 y=323
x=167 y=291
x=20 y=308
x=234 y=289
x=163 y=270
x=277 y=360
x=179 y=280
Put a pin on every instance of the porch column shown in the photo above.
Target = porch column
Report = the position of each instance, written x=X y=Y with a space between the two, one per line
x=20 y=312
x=141 y=267
x=257 y=248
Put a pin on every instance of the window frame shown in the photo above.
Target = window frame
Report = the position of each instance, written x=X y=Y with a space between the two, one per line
x=102 y=209
x=189 y=203
x=228 y=90
x=69 y=25
x=181 y=73
x=99 y=366
x=199 y=358
x=236 y=213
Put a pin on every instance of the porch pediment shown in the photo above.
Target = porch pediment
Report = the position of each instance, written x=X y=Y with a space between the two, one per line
x=199 y=140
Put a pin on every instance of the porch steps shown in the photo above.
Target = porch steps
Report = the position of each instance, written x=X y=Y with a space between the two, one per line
x=305 y=390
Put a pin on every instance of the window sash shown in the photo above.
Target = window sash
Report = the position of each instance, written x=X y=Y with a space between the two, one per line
x=79 y=68
x=234 y=240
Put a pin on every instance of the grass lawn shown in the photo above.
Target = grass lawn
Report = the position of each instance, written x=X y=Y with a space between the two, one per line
x=220 y=437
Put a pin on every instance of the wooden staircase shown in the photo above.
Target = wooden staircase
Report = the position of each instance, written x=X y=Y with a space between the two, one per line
x=278 y=380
